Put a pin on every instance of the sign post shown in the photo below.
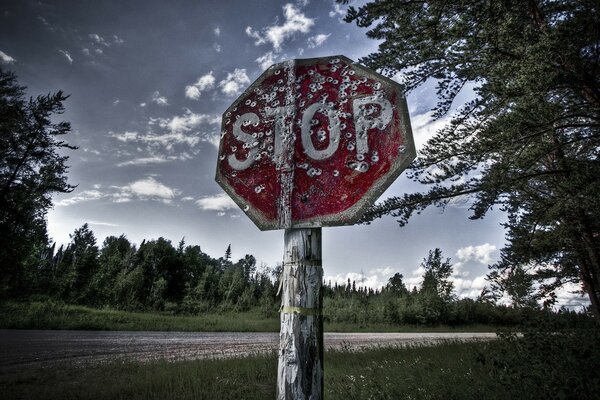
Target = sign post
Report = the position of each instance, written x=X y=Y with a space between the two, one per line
x=311 y=143
x=300 y=367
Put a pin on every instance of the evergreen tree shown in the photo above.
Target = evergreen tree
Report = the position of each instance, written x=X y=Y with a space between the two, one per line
x=527 y=142
x=228 y=253
x=436 y=279
x=396 y=285
x=31 y=170
x=78 y=265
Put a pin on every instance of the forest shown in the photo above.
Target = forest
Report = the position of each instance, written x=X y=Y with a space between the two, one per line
x=157 y=276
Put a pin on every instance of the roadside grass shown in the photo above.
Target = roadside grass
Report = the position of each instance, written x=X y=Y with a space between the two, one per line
x=537 y=366
x=57 y=315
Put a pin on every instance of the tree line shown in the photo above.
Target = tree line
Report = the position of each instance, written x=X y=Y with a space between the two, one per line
x=157 y=276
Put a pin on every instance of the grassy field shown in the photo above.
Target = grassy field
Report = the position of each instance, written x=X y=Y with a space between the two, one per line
x=56 y=315
x=562 y=366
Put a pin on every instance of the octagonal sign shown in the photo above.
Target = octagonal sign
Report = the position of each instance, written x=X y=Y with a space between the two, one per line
x=313 y=143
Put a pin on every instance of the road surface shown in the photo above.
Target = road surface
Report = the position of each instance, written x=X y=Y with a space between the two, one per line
x=45 y=348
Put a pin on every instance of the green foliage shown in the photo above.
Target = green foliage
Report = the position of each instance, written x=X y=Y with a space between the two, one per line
x=156 y=276
x=32 y=168
x=52 y=314
x=528 y=141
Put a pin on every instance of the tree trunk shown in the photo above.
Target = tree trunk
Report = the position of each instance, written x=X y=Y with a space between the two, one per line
x=300 y=369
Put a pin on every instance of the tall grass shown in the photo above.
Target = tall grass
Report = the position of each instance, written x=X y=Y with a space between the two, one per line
x=56 y=315
x=51 y=314
x=539 y=366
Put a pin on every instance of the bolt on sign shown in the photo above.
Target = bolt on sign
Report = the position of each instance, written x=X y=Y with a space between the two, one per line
x=313 y=143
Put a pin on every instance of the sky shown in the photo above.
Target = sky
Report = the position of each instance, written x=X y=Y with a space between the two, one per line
x=148 y=83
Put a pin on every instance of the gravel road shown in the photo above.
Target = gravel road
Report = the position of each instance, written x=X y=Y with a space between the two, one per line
x=45 y=348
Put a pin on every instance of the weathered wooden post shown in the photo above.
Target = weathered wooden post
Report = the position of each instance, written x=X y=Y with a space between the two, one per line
x=311 y=143
x=300 y=368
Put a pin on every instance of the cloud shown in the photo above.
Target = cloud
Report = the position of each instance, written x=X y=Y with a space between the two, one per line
x=374 y=278
x=205 y=82
x=5 y=58
x=481 y=254
x=217 y=31
x=86 y=195
x=117 y=40
x=337 y=11
x=100 y=223
x=295 y=22
x=317 y=40
x=151 y=188
x=235 y=82
x=187 y=121
x=170 y=139
x=218 y=202
x=158 y=99
x=217 y=47
x=144 y=161
x=142 y=189
x=266 y=60
x=46 y=23
x=126 y=136
x=98 y=39
x=67 y=56
x=469 y=287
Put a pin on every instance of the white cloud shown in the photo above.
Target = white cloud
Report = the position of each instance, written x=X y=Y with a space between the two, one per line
x=481 y=254
x=117 y=40
x=86 y=195
x=217 y=47
x=98 y=39
x=295 y=22
x=5 y=58
x=158 y=99
x=188 y=121
x=218 y=202
x=266 y=60
x=100 y=223
x=126 y=136
x=46 y=23
x=151 y=188
x=142 y=189
x=170 y=139
x=317 y=40
x=217 y=31
x=205 y=82
x=337 y=11
x=67 y=56
x=235 y=82
x=468 y=287
x=424 y=127
x=570 y=296
x=144 y=161
x=374 y=278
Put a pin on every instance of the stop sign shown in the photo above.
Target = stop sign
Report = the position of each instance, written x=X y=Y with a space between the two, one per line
x=313 y=143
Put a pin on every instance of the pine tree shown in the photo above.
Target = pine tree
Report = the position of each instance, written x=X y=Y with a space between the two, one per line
x=528 y=142
x=32 y=168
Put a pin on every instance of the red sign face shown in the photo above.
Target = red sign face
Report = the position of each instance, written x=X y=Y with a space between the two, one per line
x=313 y=143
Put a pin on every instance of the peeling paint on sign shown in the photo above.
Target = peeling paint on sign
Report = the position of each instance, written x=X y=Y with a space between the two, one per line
x=313 y=143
